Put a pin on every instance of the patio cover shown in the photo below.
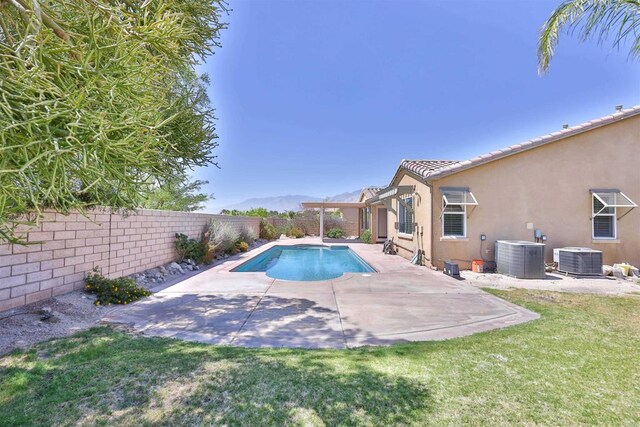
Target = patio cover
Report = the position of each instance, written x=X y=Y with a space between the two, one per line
x=391 y=192
x=330 y=205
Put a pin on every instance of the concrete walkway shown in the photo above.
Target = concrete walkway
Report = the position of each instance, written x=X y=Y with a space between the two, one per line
x=400 y=303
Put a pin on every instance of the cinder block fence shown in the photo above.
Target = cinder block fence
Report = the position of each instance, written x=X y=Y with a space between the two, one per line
x=65 y=247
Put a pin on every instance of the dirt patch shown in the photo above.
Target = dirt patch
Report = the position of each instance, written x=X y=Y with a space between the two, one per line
x=72 y=312
x=555 y=282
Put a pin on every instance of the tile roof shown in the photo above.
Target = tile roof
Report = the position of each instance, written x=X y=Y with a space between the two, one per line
x=370 y=192
x=425 y=168
x=429 y=169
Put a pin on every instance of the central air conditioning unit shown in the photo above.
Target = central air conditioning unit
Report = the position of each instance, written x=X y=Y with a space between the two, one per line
x=520 y=259
x=580 y=261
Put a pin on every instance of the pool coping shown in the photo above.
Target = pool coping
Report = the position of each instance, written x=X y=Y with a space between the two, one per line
x=370 y=253
x=256 y=255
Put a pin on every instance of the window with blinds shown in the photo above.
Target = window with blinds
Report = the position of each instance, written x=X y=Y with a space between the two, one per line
x=366 y=212
x=454 y=220
x=454 y=211
x=405 y=216
x=604 y=220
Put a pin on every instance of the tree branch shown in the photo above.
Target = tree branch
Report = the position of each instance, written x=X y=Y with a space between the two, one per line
x=5 y=30
x=22 y=6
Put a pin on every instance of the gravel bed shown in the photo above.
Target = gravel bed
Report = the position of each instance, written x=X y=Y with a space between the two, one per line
x=71 y=313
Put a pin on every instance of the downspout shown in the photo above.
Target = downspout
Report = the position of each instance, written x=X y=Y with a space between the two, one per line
x=431 y=225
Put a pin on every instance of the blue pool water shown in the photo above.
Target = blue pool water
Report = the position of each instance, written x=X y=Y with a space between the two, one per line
x=306 y=262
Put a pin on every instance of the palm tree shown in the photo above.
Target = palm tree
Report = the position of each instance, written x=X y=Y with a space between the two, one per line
x=592 y=18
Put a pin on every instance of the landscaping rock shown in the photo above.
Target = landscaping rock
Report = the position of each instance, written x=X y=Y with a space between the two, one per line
x=176 y=266
x=46 y=313
x=607 y=270
x=635 y=272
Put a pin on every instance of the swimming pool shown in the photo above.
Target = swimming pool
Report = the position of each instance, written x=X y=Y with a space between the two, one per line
x=306 y=262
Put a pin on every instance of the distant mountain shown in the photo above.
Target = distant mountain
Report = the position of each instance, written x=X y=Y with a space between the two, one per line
x=290 y=203
x=351 y=196
x=278 y=203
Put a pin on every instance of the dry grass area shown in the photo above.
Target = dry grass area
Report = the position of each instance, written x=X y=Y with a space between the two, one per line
x=576 y=365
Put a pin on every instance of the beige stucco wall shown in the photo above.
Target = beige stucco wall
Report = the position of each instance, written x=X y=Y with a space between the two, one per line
x=549 y=187
x=374 y=213
x=373 y=222
x=408 y=244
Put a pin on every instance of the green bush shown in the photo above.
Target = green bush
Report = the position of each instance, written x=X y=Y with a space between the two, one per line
x=283 y=229
x=366 y=236
x=296 y=232
x=267 y=230
x=113 y=291
x=187 y=248
x=335 y=233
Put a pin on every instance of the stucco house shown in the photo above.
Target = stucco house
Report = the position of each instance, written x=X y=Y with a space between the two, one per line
x=576 y=187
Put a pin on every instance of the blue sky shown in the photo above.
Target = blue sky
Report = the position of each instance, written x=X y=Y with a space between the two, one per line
x=323 y=97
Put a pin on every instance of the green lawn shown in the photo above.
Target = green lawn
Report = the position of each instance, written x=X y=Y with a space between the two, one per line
x=578 y=364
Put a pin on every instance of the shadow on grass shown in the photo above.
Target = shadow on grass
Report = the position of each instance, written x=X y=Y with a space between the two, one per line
x=108 y=377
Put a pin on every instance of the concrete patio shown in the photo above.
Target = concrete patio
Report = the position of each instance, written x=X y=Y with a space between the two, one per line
x=399 y=303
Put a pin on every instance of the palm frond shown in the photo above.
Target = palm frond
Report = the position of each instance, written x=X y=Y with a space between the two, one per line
x=597 y=19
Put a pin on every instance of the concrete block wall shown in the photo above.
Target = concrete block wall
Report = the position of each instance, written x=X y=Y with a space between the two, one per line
x=63 y=248
x=350 y=222
x=351 y=217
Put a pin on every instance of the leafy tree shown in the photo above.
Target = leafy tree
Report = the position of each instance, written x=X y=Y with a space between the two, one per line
x=260 y=212
x=178 y=195
x=99 y=100
x=598 y=19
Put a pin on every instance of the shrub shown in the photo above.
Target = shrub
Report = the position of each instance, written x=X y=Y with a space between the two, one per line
x=222 y=236
x=366 y=236
x=247 y=234
x=113 y=291
x=267 y=230
x=283 y=229
x=242 y=246
x=333 y=222
x=335 y=233
x=210 y=252
x=187 y=248
x=296 y=232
